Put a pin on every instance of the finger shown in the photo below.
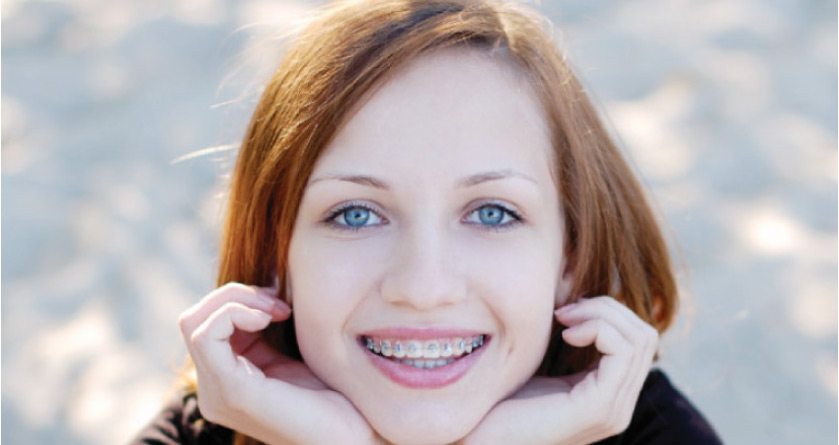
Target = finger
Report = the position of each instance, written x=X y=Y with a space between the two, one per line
x=210 y=342
x=614 y=368
x=601 y=334
x=252 y=296
x=627 y=323
x=641 y=336
x=620 y=375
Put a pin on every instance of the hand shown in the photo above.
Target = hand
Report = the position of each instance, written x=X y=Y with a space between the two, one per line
x=246 y=385
x=588 y=406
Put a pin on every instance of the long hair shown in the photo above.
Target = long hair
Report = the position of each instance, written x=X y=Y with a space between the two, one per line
x=613 y=244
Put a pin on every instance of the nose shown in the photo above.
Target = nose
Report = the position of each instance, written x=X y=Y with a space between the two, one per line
x=424 y=274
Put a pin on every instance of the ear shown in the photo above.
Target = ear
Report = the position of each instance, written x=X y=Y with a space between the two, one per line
x=565 y=284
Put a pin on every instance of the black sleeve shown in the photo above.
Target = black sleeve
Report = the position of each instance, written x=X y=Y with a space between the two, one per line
x=180 y=423
x=664 y=416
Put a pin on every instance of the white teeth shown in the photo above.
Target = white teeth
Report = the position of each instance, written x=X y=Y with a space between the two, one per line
x=447 y=349
x=426 y=354
x=425 y=364
x=431 y=349
x=398 y=350
x=459 y=346
x=414 y=349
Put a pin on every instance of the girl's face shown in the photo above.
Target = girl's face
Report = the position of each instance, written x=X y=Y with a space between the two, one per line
x=426 y=259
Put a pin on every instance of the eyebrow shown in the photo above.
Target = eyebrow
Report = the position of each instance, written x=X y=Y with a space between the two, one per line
x=495 y=175
x=468 y=181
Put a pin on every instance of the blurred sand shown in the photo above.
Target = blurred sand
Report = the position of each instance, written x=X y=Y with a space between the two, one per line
x=727 y=107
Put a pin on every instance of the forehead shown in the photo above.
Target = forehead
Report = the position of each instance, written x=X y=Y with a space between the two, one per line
x=449 y=110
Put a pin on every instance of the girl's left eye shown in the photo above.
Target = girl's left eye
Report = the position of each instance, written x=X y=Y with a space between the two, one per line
x=493 y=216
x=354 y=217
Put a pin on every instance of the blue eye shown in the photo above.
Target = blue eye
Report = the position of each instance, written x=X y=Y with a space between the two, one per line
x=494 y=216
x=354 y=217
x=490 y=215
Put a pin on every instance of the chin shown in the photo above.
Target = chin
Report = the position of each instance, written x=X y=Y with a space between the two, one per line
x=425 y=423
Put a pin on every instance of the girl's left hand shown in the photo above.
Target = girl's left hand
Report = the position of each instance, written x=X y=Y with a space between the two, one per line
x=588 y=406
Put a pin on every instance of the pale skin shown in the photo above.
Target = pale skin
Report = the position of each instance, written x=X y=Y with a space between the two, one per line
x=424 y=256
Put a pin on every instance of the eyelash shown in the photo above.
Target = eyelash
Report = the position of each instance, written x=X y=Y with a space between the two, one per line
x=334 y=214
x=517 y=217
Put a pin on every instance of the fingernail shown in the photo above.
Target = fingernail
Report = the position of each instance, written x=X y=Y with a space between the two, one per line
x=282 y=306
x=566 y=308
x=265 y=296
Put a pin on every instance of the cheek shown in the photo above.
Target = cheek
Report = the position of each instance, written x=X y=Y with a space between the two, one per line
x=517 y=282
x=515 y=272
x=329 y=280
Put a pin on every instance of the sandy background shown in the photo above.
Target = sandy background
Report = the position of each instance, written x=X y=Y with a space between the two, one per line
x=727 y=107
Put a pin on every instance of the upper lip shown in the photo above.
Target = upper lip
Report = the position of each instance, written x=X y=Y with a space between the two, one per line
x=423 y=333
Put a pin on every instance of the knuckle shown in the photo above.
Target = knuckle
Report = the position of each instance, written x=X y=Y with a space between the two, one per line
x=232 y=286
x=198 y=336
x=229 y=285
x=599 y=301
x=186 y=319
x=223 y=289
x=183 y=322
x=232 y=307
x=195 y=338
x=608 y=299
x=221 y=293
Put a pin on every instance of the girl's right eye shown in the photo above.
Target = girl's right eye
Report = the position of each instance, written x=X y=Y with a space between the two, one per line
x=354 y=217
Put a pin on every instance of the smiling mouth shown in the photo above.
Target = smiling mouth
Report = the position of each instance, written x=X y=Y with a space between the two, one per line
x=424 y=354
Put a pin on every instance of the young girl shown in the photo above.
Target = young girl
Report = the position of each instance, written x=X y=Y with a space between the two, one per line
x=467 y=255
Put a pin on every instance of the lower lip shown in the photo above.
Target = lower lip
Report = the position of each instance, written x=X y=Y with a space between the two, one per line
x=413 y=377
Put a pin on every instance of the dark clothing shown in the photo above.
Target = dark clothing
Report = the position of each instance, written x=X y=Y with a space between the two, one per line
x=663 y=416
x=181 y=423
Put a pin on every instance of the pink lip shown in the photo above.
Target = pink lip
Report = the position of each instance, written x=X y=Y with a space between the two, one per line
x=412 y=377
x=420 y=333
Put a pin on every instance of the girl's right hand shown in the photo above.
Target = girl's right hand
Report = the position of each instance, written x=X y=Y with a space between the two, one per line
x=246 y=385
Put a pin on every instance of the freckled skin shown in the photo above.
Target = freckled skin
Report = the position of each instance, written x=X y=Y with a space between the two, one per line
x=425 y=257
